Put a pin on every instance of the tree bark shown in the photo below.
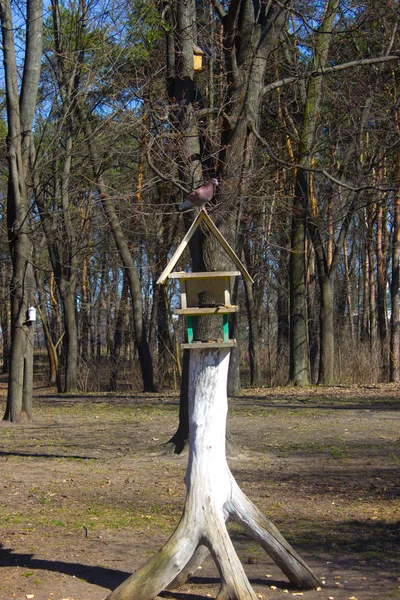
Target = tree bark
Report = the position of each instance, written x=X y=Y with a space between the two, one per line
x=371 y=279
x=299 y=371
x=50 y=346
x=299 y=359
x=254 y=338
x=381 y=262
x=119 y=329
x=250 y=34
x=326 y=364
x=20 y=110
x=348 y=290
x=4 y=316
x=394 y=360
x=212 y=498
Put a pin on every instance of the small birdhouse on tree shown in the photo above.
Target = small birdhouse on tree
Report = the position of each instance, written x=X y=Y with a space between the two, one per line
x=198 y=55
x=208 y=293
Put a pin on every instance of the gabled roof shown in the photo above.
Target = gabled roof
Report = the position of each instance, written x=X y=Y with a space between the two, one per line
x=203 y=217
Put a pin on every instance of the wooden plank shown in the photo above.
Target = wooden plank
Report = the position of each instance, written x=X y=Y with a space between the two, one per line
x=207 y=345
x=205 y=275
x=203 y=216
x=213 y=310
x=183 y=295
x=178 y=252
x=227 y=296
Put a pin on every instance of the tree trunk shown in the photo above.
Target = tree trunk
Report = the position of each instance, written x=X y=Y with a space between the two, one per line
x=20 y=110
x=51 y=348
x=84 y=338
x=234 y=380
x=254 y=338
x=4 y=317
x=213 y=497
x=299 y=370
x=327 y=345
x=119 y=329
x=394 y=361
x=70 y=341
x=299 y=373
x=371 y=280
x=312 y=313
x=381 y=261
x=364 y=318
x=282 y=309
x=348 y=291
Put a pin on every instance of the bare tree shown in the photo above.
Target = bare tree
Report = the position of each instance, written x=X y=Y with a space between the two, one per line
x=20 y=112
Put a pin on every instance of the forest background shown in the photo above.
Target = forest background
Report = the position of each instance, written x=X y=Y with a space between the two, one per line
x=113 y=112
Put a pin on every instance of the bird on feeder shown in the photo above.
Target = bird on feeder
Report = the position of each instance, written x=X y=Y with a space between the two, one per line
x=200 y=196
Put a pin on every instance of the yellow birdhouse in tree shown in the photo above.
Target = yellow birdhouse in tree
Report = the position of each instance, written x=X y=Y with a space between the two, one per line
x=207 y=293
x=198 y=54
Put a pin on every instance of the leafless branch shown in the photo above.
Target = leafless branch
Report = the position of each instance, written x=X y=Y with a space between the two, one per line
x=323 y=172
x=327 y=70
x=161 y=175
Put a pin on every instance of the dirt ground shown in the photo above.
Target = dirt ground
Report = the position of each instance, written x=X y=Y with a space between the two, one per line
x=88 y=492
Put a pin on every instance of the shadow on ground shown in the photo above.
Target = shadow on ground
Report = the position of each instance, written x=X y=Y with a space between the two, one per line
x=108 y=578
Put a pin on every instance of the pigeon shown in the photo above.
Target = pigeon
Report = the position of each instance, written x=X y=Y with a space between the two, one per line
x=200 y=196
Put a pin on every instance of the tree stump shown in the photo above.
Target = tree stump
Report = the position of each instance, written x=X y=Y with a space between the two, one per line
x=213 y=497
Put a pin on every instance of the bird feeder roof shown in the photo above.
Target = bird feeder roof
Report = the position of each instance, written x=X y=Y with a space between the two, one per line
x=197 y=51
x=203 y=217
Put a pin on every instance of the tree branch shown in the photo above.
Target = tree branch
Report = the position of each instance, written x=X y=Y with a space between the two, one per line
x=323 y=172
x=327 y=70
x=159 y=173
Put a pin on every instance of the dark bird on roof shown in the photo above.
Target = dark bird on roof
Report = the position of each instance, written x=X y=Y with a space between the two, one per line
x=200 y=196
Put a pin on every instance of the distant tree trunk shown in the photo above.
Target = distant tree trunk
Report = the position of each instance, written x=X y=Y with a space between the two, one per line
x=381 y=249
x=162 y=326
x=326 y=275
x=394 y=361
x=299 y=359
x=254 y=338
x=20 y=111
x=145 y=358
x=371 y=278
x=234 y=378
x=252 y=317
x=348 y=291
x=327 y=334
x=118 y=334
x=364 y=317
x=282 y=309
x=84 y=337
x=4 y=317
x=51 y=348
x=70 y=341
x=312 y=313
x=299 y=373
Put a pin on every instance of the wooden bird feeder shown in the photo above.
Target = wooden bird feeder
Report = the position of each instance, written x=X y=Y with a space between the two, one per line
x=213 y=496
x=207 y=293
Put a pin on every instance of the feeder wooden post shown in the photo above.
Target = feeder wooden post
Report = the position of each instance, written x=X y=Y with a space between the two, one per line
x=213 y=496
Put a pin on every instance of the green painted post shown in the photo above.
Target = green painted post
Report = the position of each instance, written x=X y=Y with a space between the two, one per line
x=225 y=327
x=189 y=322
